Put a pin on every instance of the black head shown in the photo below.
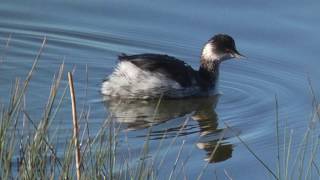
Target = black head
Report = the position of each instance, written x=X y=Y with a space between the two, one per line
x=221 y=46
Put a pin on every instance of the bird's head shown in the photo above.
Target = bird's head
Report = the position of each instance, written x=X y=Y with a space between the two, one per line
x=220 y=47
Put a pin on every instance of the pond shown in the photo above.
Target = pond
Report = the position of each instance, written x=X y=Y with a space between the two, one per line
x=279 y=38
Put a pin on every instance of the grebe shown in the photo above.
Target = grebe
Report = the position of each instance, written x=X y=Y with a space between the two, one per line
x=148 y=76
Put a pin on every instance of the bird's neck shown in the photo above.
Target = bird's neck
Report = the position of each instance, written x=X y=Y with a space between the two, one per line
x=208 y=73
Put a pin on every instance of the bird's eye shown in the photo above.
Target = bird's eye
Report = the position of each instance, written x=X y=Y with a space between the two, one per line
x=228 y=51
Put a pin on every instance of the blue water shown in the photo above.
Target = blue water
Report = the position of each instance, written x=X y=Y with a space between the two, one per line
x=280 y=39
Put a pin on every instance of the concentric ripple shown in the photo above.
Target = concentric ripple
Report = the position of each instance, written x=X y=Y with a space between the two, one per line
x=249 y=86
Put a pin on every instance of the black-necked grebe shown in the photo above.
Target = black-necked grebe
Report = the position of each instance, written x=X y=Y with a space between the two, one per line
x=146 y=76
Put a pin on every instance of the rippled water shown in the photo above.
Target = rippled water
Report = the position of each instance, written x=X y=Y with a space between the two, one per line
x=280 y=39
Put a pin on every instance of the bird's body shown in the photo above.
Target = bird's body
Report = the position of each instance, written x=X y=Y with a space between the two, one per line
x=147 y=76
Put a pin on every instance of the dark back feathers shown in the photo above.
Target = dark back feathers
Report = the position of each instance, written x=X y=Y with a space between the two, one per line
x=169 y=66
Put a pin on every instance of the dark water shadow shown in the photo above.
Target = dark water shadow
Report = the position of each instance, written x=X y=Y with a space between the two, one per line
x=135 y=115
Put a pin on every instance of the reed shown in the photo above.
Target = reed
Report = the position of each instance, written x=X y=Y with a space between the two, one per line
x=75 y=124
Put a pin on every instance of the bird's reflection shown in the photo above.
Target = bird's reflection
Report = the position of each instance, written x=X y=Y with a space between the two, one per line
x=140 y=114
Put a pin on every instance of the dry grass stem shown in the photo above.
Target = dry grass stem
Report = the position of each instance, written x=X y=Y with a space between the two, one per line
x=75 y=124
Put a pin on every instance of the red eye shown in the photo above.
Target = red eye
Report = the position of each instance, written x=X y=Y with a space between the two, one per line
x=228 y=50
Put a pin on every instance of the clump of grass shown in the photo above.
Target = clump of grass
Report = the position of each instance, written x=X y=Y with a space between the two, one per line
x=32 y=152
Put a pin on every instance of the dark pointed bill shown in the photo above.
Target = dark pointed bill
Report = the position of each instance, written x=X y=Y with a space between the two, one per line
x=238 y=55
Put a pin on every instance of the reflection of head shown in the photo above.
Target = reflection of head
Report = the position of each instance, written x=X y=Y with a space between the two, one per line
x=223 y=151
x=210 y=135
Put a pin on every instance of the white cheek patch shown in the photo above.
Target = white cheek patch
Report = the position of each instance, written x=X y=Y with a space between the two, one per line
x=208 y=54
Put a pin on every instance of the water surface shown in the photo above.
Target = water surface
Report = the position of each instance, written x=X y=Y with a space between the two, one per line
x=280 y=39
